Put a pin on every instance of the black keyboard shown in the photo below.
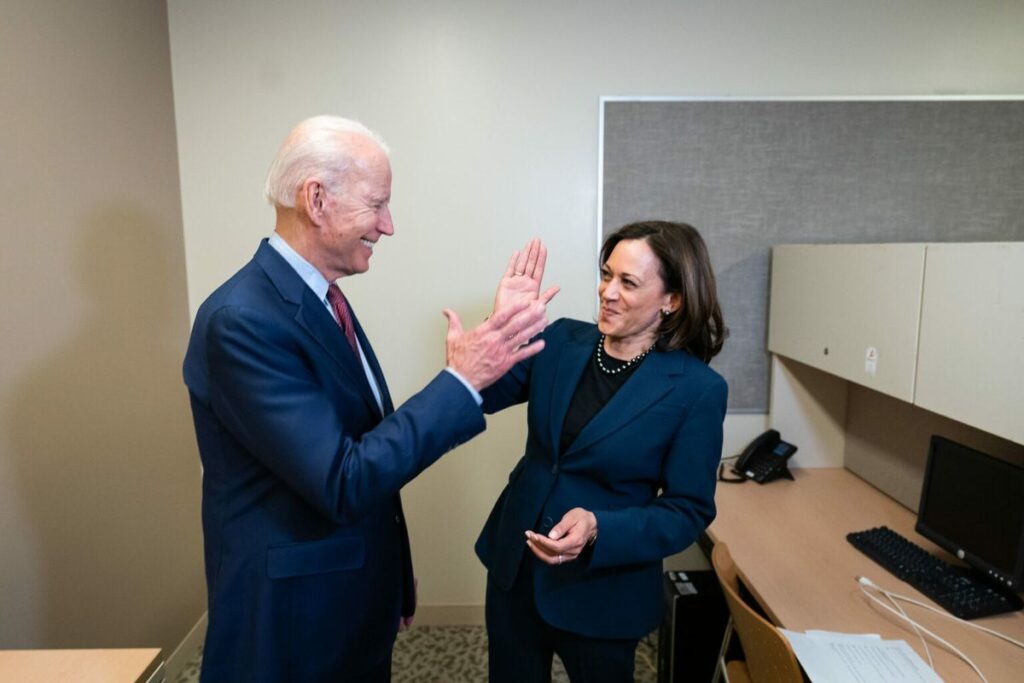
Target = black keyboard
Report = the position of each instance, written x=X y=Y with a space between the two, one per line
x=959 y=590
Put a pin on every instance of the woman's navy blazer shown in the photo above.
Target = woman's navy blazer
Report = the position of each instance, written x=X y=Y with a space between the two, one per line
x=644 y=465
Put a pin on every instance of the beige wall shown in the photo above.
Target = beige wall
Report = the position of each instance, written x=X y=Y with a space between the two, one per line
x=99 y=518
x=491 y=110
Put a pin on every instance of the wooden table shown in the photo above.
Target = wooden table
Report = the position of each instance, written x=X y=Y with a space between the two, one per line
x=788 y=539
x=82 y=666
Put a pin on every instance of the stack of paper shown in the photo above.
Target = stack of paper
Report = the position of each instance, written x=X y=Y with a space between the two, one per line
x=848 y=658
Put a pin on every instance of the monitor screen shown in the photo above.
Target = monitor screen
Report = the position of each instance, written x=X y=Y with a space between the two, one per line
x=972 y=504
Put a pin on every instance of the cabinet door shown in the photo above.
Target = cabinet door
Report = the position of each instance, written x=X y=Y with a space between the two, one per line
x=850 y=310
x=971 y=359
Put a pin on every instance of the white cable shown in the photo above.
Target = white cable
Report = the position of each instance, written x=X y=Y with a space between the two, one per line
x=946 y=614
x=913 y=624
x=867 y=583
x=942 y=613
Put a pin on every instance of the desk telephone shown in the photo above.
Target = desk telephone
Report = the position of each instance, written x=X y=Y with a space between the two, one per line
x=764 y=459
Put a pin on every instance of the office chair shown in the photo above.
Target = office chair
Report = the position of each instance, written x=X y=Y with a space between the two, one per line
x=770 y=658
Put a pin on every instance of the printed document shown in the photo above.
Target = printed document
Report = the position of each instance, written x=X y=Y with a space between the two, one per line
x=847 y=658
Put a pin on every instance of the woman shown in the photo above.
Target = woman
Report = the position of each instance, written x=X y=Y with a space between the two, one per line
x=625 y=433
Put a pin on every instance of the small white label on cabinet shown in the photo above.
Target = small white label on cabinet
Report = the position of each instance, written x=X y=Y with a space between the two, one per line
x=871 y=360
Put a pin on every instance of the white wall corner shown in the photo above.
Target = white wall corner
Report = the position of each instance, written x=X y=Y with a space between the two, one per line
x=808 y=407
x=740 y=429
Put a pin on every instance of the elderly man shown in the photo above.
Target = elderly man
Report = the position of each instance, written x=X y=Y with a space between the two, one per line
x=307 y=553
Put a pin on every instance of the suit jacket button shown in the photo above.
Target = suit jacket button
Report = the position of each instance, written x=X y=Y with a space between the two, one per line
x=398 y=520
x=554 y=469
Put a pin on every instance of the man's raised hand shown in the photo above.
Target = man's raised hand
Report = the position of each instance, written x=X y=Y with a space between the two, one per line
x=489 y=350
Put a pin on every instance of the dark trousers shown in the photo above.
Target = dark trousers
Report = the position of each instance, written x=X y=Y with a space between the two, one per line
x=381 y=673
x=520 y=644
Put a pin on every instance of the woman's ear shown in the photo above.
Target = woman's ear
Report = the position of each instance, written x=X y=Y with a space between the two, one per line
x=675 y=300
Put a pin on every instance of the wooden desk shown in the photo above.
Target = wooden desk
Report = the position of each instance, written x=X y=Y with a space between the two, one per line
x=81 y=666
x=788 y=539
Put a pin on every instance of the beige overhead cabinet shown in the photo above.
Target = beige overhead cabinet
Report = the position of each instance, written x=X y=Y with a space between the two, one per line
x=851 y=310
x=937 y=325
x=970 y=363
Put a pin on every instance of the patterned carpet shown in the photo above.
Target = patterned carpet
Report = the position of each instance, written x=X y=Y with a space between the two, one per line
x=457 y=654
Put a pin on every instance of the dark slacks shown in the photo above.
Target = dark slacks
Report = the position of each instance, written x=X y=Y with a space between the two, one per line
x=381 y=673
x=520 y=644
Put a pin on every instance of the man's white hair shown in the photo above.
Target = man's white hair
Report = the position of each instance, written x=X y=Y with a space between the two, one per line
x=319 y=146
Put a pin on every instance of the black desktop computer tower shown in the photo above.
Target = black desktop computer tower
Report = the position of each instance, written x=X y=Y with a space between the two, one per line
x=690 y=637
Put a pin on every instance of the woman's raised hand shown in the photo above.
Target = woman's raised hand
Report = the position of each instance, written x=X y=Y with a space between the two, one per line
x=523 y=276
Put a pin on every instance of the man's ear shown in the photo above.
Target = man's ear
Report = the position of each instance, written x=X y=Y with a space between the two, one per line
x=314 y=200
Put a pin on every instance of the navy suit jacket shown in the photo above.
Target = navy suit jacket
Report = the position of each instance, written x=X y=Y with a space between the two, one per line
x=644 y=465
x=307 y=553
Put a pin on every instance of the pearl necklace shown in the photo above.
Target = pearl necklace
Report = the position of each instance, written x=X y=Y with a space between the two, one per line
x=630 y=362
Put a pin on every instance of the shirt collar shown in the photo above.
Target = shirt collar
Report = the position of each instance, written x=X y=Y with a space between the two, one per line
x=310 y=275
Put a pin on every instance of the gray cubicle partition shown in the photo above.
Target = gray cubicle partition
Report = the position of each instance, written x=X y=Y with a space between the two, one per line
x=751 y=174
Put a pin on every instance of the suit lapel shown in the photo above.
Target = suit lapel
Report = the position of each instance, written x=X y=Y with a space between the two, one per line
x=652 y=380
x=312 y=316
x=371 y=359
x=573 y=358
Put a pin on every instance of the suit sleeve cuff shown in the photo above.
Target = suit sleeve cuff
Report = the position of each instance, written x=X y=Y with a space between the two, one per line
x=617 y=532
x=469 y=387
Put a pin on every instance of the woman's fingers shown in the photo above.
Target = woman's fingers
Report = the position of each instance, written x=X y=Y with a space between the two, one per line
x=571 y=544
x=566 y=540
x=542 y=259
x=547 y=296
x=511 y=269
x=522 y=259
x=532 y=254
x=551 y=558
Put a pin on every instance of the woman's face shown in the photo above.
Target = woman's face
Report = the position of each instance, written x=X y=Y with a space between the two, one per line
x=632 y=293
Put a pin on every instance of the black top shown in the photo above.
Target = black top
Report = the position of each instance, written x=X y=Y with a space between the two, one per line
x=595 y=388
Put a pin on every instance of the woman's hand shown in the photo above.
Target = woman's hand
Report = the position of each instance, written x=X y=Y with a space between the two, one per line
x=567 y=539
x=522 y=278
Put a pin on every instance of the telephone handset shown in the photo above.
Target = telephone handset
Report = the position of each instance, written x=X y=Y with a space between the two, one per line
x=764 y=459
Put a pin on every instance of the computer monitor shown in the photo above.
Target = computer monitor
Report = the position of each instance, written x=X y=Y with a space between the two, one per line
x=972 y=504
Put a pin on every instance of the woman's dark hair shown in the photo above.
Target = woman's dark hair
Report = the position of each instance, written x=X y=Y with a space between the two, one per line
x=696 y=326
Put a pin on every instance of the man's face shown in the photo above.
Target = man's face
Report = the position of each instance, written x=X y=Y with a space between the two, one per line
x=357 y=215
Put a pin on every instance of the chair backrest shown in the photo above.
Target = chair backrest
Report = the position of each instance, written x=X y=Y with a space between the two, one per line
x=770 y=658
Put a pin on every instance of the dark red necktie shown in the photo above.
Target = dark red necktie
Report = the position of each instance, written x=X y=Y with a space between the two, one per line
x=341 y=309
